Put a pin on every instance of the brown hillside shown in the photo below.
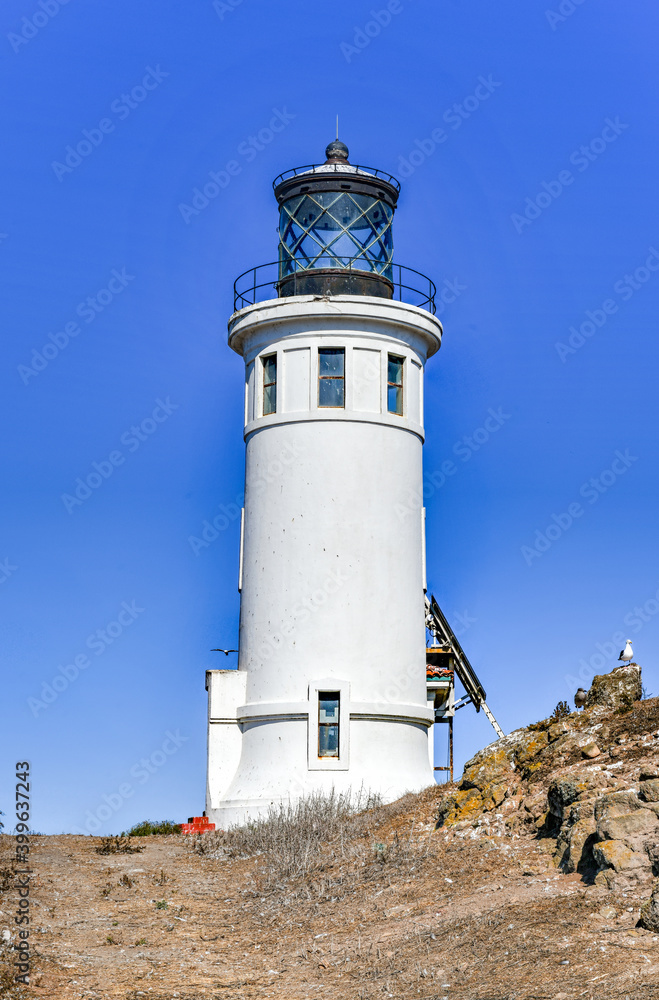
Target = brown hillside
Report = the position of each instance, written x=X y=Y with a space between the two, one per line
x=530 y=888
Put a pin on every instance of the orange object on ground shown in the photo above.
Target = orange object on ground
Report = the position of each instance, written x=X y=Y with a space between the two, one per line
x=197 y=824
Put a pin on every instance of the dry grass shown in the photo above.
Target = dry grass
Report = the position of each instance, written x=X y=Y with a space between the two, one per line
x=291 y=835
x=343 y=900
x=319 y=847
x=8 y=951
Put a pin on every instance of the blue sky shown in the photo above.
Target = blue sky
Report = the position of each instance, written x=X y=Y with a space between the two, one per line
x=534 y=210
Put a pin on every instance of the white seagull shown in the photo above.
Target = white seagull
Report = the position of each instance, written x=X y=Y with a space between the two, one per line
x=627 y=653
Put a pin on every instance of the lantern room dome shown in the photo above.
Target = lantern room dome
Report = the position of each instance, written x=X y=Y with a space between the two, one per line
x=337 y=150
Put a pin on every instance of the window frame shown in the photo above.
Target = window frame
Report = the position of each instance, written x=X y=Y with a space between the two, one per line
x=325 y=685
x=396 y=385
x=334 y=696
x=332 y=378
x=267 y=385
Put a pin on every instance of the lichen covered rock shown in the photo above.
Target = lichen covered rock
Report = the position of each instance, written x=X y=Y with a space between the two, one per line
x=618 y=690
x=628 y=828
x=486 y=779
x=649 y=790
x=491 y=766
x=528 y=749
x=615 y=854
x=562 y=792
x=464 y=804
x=617 y=803
x=576 y=837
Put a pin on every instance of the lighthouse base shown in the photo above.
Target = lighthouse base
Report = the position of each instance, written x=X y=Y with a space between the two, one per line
x=262 y=756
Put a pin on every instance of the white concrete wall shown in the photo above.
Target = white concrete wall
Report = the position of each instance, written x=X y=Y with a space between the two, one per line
x=226 y=692
x=332 y=570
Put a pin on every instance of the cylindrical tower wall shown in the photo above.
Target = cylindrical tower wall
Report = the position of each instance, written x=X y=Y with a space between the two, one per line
x=332 y=554
x=332 y=560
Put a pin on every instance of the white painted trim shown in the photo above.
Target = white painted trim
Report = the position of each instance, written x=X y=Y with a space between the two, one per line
x=392 y=712
x=367 y=310
x=241 y=557
x=390 y=420
x=416 y=719
x=424 y=580
x=284 y=711
x=276 y=709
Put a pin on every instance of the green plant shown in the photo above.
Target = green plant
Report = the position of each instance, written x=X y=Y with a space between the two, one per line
x=148 y=828
x=162 y=904
x=141 y=941
x=380 y=853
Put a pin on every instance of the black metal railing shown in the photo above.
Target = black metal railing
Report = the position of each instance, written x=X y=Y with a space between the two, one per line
x=339 y=168
x=266 y=282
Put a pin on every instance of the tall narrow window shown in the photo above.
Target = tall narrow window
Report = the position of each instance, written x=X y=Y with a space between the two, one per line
x=270 y=384
x=331 y=376
x=328 y=723
x=395 y=384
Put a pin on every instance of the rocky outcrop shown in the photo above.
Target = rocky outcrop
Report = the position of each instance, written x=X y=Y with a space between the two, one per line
x=616 y=691
x=549 y=780
x=506 y=770
x=490 y=777
x=649 y=790
x=621 y=816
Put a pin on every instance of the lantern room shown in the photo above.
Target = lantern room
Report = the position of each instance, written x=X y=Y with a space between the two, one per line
x=335 y=228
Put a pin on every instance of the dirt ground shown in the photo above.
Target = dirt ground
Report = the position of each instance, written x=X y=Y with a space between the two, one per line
x=456 y=915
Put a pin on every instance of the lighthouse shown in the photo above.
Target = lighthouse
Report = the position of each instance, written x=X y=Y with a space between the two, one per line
x=330 y=688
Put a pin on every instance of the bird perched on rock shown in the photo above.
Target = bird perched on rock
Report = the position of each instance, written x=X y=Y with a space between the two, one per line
x=627 y=653
x=580 y=698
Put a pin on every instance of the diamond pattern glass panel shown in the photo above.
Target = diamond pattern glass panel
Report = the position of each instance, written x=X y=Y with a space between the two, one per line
x=332 y=229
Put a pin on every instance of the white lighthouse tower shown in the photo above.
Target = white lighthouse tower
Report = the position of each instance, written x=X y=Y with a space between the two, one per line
x=330 y=690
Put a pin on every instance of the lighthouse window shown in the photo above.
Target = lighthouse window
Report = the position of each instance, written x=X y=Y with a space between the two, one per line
x=270 y=384
x=328 y=723
x=331 y=376
x=395 y=384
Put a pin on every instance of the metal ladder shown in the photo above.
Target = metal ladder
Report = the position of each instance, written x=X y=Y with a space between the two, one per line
x=437 y=624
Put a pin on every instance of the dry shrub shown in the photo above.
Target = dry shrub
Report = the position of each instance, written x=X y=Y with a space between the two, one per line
x=308 y=837
x=561 y=711
x=6 y=878
x=292 y=834
x=8 y=955
x=117 y=845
